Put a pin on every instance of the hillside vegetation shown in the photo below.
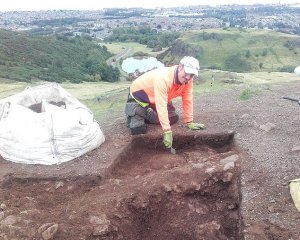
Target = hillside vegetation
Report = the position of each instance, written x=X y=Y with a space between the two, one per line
x=58 y=58
x=144 y=35
x=77 y=59
x=238 y=50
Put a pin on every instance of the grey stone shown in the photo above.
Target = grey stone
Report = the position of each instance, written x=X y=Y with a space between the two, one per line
x=101 y=224
x=296 y=149
x=101 y=230
x=2 y=206
x=233 y=158
x=210 y=170
x=1 y=215
x=98 y=220
x=10 y=220
x=227 y=176
x=59 y=184
x=50 y=232
x=267 y=127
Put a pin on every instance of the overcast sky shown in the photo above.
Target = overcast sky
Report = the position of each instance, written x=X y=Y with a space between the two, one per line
x=29 y=5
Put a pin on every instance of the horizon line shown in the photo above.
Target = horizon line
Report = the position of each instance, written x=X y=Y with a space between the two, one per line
x=152 y=8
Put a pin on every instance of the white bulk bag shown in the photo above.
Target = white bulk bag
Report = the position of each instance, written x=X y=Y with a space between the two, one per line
x=46 y=125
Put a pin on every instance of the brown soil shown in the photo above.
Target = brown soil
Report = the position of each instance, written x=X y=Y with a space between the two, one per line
x=229 y=181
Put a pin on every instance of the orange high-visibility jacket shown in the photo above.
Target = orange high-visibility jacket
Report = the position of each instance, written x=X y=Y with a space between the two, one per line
x=159 y=87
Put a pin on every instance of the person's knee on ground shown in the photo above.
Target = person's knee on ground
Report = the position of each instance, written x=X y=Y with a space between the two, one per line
x=137 y=125
x=135 y=118
x=151 y=116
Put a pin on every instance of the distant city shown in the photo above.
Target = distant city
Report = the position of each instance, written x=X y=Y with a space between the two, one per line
x=100 y=24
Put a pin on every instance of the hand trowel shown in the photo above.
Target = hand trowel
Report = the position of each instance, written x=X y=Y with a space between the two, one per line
x=173 y=151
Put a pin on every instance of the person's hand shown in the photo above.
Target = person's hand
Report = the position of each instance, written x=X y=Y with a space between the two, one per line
x=168 y=139
x=195 y=126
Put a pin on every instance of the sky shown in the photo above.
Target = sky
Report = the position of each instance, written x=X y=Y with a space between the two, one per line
x=35 y=5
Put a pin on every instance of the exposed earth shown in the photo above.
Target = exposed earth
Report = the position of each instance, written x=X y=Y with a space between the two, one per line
x=229 y=181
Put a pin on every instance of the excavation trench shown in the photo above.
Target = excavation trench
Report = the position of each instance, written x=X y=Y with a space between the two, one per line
x=193 y=194
x=148 y=193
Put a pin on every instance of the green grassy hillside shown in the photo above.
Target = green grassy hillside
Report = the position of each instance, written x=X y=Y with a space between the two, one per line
x=238 y=50
x=106 y=99
x=59 y=59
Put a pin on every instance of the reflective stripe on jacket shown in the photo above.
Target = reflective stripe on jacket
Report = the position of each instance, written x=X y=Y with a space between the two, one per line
x=159 y=87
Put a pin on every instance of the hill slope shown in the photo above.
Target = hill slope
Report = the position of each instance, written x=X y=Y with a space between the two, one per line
x=238 y=50
x=24 y=58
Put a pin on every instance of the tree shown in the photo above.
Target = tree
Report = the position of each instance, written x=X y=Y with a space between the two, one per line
x=93 y=67
x=236 y=63
x=110 y=74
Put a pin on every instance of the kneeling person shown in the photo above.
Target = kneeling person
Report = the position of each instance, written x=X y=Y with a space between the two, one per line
x=150 y=98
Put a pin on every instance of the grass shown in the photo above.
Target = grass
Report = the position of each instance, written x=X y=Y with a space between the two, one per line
x=87 y=91
x=247 y=93
x=25 y=58
x=234 y=42
x=268 y=78
x=83 y=91
x=222 y=80
x=117 y=48
x=104 y=106
x=9 y=87
x=112 y=96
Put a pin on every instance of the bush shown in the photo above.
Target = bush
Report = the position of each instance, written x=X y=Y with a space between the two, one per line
x=247 y=94
x=292 y=44
x=57 y=58
x=287 y=68
x=143 y=35
x=214 y=67
x=140 y=54
x=235 y=63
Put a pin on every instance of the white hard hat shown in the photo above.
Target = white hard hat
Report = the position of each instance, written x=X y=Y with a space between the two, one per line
x=191 y=65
